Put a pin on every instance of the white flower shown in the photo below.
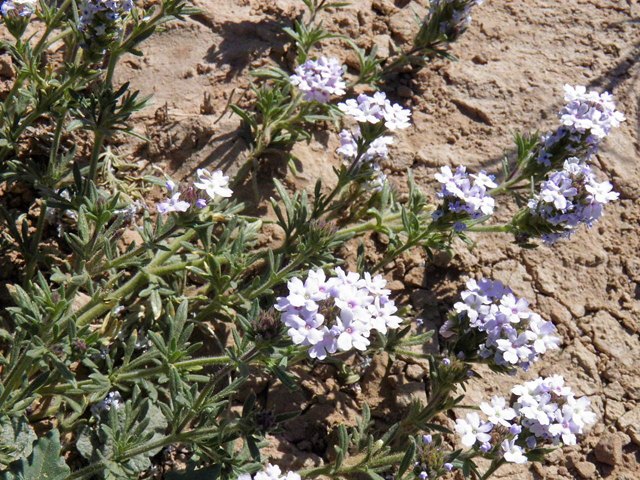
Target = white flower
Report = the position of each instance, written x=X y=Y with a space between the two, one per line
x=473 y=430
x=350 y=332
x=305 y=332
x=513 y=453
x=497 y=413
x=396 y=117
x=325 y=346
x=319 y=79
x=215 y=184
x=602 y=192
x=376 y=108
x=173 y=204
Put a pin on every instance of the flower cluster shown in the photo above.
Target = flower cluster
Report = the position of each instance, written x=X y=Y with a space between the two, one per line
x=511 y=335
x=432 y=459
x=272 y=472
x=589 y=111
x=215 y=185
x=545 y=411
x=18 y=8
x=113 y=399
x=568 y=198
x=463 y=198
x=453 y=17
x=338 y=313
x=376 y=109
x=319 y=79
x=586 y=119
x=99 y=18
x=376 y=151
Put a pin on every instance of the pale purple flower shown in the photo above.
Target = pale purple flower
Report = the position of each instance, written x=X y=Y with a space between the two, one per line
x=173 y=204
x=271 y=472
x=589 y=111
x=473 y=429
x=375 y=109
x=377 y=150
x=512 y=453
x=20 y=8
x=351 y=307
x=326 y=346
x=350 y=332
x=320 y=79
x=569 y=198
x=461 y=196
x=498 y=412
x=514 y=335
x=602 y=192
x=214 y=184
x=396 y=117
x=305 y=332
x=485 y=447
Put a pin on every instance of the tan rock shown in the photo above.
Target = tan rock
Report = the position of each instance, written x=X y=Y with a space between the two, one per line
x=586 y=469
x=630 y=424
x=609 y=449
x=415 y=372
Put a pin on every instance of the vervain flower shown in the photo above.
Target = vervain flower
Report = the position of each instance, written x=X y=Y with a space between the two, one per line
x=545 y=410
x=376 y=109
x=568 y=198
x=463 y=198
x=173 y=204
x=319 y=79
x=271 y=472
x=215 y=184
x=510 y=334
x=337 y=313
x=19 y=8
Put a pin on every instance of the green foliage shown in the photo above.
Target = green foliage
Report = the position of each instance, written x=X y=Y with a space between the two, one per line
x=44 y=462
x=16 y=439
x=129 y=350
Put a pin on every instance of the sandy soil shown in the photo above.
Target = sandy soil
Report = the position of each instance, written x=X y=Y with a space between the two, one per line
x=513 y=64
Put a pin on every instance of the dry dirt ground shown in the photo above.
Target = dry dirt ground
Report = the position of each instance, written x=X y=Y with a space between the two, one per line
x=513 y=64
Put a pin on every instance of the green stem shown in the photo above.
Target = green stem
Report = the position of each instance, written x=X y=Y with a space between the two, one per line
x=172 y=439
x=42 y=43
x=278 y=277
x=95 y=157
x=489 y=228
x=206 y=391
x=95 y=308
x=111 y=67
x=372 y=224
x=191 y=364
x=15 y=376
x=60 y=36
x=358 y=467
x=34 y=243
x=57 y=136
